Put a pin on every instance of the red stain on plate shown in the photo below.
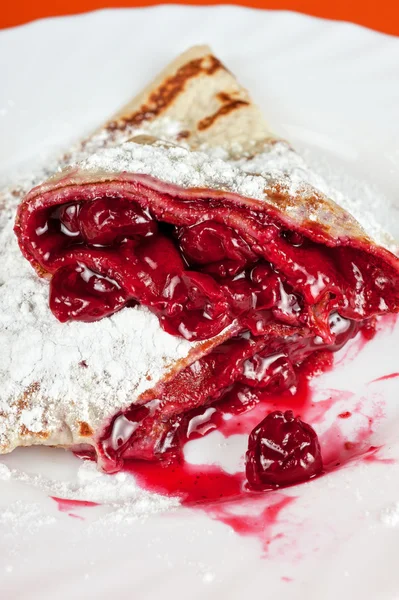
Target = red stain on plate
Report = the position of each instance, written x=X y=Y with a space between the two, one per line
x=371 y=455
x=385 y=377
x=259 y=524
x=65 y=505
x=345 y=415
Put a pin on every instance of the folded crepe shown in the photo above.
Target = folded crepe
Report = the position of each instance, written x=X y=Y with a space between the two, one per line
x=190 y=251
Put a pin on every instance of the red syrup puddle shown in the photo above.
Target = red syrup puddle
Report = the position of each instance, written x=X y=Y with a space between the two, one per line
x=193 y=484
x=65 y=505
x=210 y=489
x=257 y=517
x=238 y=413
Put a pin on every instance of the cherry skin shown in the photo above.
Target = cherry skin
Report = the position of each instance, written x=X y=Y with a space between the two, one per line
x=282 y=450
x=78 y=293
x=103 y=220
x=221 y=250
x=69 y=219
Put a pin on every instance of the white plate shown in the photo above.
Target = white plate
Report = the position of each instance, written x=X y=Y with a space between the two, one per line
x=333 y=90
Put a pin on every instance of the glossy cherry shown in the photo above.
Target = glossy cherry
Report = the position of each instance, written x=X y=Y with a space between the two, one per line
x=220 y=248
x=105 y=220
x=78 y=293
x=282 y=450
x=69 y=218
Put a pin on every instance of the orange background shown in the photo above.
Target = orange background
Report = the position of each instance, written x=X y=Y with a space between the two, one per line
x=380 y=15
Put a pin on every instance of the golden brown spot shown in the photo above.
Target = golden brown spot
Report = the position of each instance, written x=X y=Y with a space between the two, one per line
x=23 y=400
x=24 y=431
x=223 y=97
x=166 y=93
x=228 y=105
x=213 y=65
x=84 y=429
x=183 y=135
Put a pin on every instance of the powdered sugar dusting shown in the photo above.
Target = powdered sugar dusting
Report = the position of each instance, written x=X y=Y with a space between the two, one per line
x=25 y=518
x=370 y=207
x=53 y=375
x=277 y=165
x=120 y=491
x=390 y=515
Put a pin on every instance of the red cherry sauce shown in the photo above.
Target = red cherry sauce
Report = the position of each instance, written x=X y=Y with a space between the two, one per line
x=239 y=411
x=261 y=524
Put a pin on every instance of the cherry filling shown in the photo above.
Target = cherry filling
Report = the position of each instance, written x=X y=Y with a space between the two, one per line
x=201 y=266
x=199 y=276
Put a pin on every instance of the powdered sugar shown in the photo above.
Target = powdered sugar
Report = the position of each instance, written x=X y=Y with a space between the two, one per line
x=366 y=202
x=53 y=375
x=390 y=515
x=278 y=163
x=25 y=518
x=119 y=491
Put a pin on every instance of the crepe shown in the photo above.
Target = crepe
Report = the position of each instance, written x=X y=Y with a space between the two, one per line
x=189 y=253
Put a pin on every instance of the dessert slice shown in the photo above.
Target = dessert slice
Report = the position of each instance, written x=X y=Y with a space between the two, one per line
x=196 y=224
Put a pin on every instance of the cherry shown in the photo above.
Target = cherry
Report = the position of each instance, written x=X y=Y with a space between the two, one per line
x=293 y=237
x=241 y=294
x=267 y=285
x=197 y=307
x=103 y=220
x=288 y=306
x=69 y=218
x=78 y=293
x=269 y=371
x=282 y=450
x=150 y=267
x=217 y=246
